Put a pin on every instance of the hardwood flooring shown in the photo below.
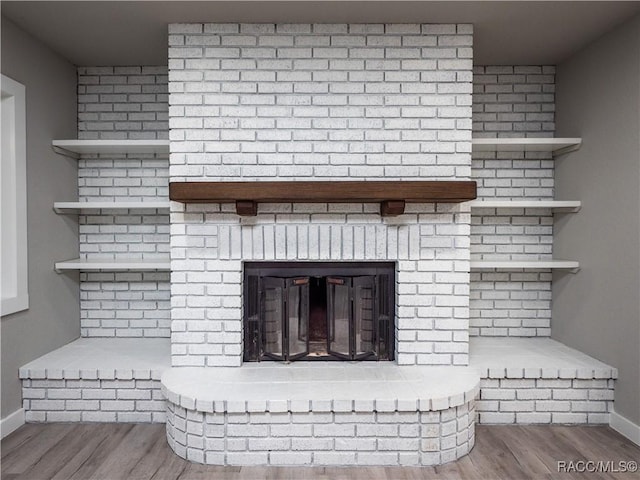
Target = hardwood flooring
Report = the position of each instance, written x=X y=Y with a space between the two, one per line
x=140 y=452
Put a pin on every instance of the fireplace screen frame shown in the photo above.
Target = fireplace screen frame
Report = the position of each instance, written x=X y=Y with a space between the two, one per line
x=276 y=310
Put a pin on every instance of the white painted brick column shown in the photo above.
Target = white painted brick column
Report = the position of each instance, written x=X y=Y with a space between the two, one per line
x=342 y=102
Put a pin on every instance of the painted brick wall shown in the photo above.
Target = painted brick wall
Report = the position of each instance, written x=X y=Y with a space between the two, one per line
x=125 y=304
x=256 y=102
x=507 y=101
x=123 y=103
x=514 y=101
x=96 y=400
x=511 y=101
x=334 y=101
x=545 y=400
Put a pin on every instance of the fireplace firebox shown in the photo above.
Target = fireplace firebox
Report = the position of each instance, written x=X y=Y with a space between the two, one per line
x=319 y=311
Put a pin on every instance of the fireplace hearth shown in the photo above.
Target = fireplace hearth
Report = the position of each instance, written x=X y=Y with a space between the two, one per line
x=318 y=311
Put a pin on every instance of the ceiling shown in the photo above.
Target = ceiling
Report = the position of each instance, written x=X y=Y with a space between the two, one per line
x=135 y=32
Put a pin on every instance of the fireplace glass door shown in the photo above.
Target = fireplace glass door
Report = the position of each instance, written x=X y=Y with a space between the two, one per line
x=297 y=318
x=285 y=317
x=318 y=316
x=350 y=316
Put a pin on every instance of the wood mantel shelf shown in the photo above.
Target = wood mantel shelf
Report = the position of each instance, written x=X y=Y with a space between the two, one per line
x=392 y=195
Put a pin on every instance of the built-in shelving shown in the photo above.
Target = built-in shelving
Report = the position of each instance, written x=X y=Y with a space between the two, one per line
x=557 y=146
x=75 y=148
x=555 y=205
x=113 y=265
x=77 y=207
x=524 y=264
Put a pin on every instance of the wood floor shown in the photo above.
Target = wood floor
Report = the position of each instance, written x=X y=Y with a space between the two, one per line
x=140 y=452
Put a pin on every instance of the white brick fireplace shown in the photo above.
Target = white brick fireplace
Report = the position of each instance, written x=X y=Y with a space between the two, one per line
x=317 y=102
x=320 y=102
x=330 y=102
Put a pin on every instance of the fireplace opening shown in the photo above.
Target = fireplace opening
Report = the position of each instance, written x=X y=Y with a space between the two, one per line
x=319 y=311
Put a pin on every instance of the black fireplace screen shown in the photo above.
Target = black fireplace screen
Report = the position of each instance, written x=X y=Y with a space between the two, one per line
x=328 y=311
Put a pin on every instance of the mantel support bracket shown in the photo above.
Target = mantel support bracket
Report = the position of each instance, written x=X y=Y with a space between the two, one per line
x=246 y=208
x=391 y=208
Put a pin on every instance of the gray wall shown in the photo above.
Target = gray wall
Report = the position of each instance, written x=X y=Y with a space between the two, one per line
x=597 y=310
x=53 y=317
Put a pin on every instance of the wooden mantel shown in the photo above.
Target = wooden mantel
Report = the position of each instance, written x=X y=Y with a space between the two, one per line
x=392 y=194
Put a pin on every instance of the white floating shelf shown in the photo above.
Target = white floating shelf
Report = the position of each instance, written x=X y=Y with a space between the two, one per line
x=113 y=265
x=76 y=207
x=75 y=148
x=555 y=205
x=524 y=265
x=557 y=146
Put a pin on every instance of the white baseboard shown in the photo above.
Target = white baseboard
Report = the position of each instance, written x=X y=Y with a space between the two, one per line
x=625 y=427
x=11 y=422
